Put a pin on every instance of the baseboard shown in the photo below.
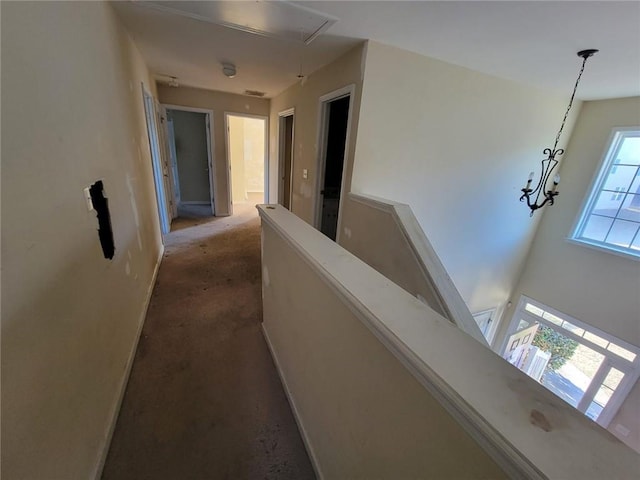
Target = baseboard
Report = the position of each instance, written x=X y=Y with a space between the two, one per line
x=294 y=409
x=125 y=380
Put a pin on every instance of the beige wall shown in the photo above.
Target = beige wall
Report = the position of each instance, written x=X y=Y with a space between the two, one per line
x=457 y=146
x=374 y=236
x=220 y=103
x=599 y=288
x=364 y=414
x=72 y=114
x=304 y=97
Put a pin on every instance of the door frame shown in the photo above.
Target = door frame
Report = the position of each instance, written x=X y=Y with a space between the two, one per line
x=210 y=147
x=164 y=211
x=323 y=133
x=290 y=112
x=228 y=160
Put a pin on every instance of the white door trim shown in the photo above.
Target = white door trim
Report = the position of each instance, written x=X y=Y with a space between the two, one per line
x=323 y=101
x=290 y=112
x=228 y=159
x=210 y=148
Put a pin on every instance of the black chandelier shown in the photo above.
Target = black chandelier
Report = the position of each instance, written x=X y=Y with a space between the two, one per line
x=549 y=163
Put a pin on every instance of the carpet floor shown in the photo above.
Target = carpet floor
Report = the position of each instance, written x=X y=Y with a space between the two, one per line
x=204 y=400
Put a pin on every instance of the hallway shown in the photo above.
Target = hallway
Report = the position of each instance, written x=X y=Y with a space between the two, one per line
x=204 y=400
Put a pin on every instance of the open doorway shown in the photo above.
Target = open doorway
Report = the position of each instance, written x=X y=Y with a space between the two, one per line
x=191 y=164
x=247 y=153
x=335 y=113
x=285 y=157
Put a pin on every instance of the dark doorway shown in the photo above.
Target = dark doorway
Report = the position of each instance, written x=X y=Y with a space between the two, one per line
x=337 y=115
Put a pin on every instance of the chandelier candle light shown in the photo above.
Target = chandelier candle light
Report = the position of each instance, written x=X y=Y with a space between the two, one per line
x=549 y=163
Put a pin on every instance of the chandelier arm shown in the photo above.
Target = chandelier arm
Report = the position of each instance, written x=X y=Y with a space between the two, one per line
x=545 y=172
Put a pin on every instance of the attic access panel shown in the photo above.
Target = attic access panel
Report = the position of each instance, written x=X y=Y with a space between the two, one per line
x=281 y=19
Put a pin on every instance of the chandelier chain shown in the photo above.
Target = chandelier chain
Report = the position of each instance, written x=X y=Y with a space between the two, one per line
x=566 y=114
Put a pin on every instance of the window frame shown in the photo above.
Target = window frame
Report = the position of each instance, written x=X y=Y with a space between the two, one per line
x=631 y=369
x=601 y=174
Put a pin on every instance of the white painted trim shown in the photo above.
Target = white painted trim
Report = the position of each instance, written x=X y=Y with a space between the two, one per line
x=451 y=302
x=592 y=193
x=211 y=142
x=323 y=131
x=290 y=112
x=292 y=403
x=492 y=404
x=115 y=411
x=228 y=154
x=184 y=108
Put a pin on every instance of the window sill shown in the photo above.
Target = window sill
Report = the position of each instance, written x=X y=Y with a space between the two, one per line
x=604 y=248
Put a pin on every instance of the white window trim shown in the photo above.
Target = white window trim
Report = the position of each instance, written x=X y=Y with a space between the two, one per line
x=592 y=195
x=630 y=369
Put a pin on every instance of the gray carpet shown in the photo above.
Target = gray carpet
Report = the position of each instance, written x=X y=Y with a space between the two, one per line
x=204 y=400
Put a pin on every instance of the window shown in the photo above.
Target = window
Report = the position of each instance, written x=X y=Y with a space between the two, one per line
x=590 y=369
x=611 y=217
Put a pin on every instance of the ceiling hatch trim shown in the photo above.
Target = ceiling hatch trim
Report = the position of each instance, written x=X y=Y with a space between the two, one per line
x=277 y=19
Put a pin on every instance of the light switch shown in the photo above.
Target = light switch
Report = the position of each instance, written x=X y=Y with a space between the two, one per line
x=87 y=198
x=305 y=173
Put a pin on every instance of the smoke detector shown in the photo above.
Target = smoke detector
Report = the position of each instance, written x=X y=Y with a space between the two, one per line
x=229 y=70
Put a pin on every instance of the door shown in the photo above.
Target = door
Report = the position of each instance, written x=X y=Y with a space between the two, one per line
x=173 y=159
x=164 y=210
x=334 y=124
x=285 y=128
x=165 y=155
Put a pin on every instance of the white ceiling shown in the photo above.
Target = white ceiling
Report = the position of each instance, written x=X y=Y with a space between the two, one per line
x=530 y=42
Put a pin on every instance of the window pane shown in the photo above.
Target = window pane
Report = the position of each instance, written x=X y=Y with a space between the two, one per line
x=604 y=393
x=629 y=151
x=635 y=186
x=597 y=228
x=533 y=309
x=620 y=177
x=608 y=203
x=621 y=352
x=572 y=328
x=594 y=411
x=592 y=337
x=622 y=233
x=613 y=379
x=636 y=243
x=571 y=367
x=552 y=318
x=630 y=208
x=522 y=324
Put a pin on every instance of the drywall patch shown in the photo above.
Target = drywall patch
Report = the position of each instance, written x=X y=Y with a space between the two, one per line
x=101 y=206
